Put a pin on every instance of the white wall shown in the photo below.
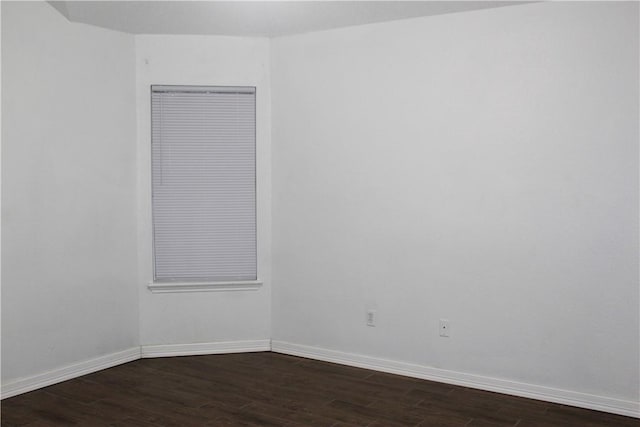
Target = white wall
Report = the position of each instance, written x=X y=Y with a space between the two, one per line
x=480 y=167
x=204 y=317
x=68 y=191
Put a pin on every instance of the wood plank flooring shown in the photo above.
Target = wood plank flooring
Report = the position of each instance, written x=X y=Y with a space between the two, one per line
x=269 y=389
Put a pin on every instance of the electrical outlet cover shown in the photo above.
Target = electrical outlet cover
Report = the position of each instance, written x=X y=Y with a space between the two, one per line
x=444 y=328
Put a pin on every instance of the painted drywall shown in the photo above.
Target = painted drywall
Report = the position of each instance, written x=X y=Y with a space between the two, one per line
x=68 y=191
x=480 y=167
x=204 y=317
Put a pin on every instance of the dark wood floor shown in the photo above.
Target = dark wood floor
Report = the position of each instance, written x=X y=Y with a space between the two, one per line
x=269 y=389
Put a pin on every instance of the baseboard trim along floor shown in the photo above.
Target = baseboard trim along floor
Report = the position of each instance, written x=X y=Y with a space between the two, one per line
x=565 y=397
x=205 y=348
x=26 y=384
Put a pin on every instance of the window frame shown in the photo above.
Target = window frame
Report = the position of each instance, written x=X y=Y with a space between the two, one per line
x=206 y=285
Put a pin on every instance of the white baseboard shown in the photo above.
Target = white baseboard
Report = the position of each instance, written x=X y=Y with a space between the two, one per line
x=565 y=397
x=23 y=385
x=26 y=384
x=205 y=348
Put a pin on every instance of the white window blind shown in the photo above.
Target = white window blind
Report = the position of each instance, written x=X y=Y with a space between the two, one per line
x=203 y=183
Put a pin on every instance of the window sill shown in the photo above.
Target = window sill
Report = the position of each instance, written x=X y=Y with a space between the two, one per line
x=174 y=287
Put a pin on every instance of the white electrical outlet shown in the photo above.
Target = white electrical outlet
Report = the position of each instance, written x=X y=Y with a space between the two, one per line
x=371 y=318
x=444 y=328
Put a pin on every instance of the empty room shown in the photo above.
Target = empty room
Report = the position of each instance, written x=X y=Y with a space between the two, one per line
x=320 y=213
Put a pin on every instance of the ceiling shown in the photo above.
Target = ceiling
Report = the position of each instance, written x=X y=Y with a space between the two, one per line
x=252 y=18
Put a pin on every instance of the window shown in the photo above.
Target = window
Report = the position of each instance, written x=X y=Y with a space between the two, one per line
x=203 y=166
